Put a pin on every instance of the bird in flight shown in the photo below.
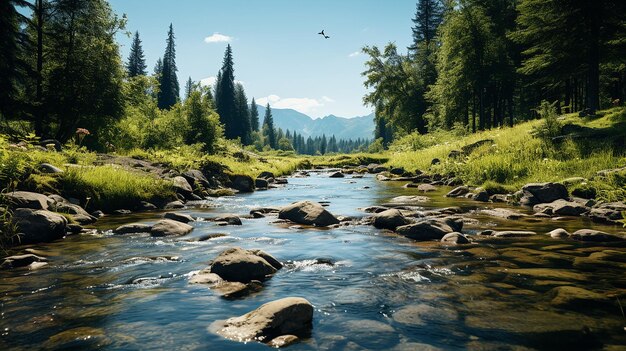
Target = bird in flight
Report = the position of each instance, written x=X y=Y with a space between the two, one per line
x=324 y=35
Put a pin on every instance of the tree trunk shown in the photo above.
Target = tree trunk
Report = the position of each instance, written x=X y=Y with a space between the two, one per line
x=593 y=84
x=39 y=108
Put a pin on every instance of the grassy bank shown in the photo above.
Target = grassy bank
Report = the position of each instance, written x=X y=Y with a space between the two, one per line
x=518 y=155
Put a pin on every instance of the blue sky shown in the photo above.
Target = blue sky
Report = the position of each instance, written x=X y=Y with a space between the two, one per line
x=277 y=53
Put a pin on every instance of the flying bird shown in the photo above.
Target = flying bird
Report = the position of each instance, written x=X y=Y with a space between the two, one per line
x=324 y=35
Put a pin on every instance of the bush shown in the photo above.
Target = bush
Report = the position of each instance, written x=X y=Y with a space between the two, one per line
x=551 y=127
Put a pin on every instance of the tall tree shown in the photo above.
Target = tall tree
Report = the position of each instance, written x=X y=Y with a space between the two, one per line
x=225 y=96
x=136 y=65
x=169 y=88
x=242 y=117
x=189 y=87
x=268 y=128
x=158 y=68
x=84 y=73
x=254 y=116
x=11 y=45
x=428 y=16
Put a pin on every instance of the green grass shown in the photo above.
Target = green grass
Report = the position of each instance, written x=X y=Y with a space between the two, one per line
x=518 y=157
x=109 y=187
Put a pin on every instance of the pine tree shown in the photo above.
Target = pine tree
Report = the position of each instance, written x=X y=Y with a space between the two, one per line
x=428 y=17
x=254 y=116
x=323 y=144
x=170 y=90
x=268 y=128
x=242 y=116
x=158 y=68
x=188 y=88
x=225 y=96
x=10 y=38
x=136 y=65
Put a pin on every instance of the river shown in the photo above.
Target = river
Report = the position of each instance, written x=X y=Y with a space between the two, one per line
x=382 y=291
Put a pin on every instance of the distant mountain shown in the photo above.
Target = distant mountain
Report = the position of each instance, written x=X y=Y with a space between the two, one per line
x=343 y=128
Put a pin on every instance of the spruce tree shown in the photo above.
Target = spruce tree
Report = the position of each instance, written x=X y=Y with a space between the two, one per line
x=188 y=88
x=254 y=116
x=158 y=68
x=225 y=96
x=428 y=17
x=170 y=90
x=268 y=128
x=242 y=117
x=136 y=65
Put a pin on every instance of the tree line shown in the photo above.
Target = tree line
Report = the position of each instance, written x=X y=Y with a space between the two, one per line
x=60 y=70
x=483 y=64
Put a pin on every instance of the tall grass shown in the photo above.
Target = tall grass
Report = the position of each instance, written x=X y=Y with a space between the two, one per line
x=109 y=187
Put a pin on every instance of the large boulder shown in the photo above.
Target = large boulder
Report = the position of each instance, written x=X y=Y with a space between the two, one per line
x=390 y=219
x=266 y=175
x=376 y=168
x=455 y=238
x=242 y=183
x=261 y=183
x=168 y=227
x=287 y=316
x=48 y=168
x=561 y=207
x=309 y=213
x=27 y=199
x=239 y=265
x=425 y=230
x=36 y=226
x=538 y=193
x=594 y=236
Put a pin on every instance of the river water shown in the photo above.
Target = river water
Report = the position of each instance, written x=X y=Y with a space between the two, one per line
x=382 y=291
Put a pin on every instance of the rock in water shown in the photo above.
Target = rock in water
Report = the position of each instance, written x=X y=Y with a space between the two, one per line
x=458 y=191
x=36 y=226
x=307 y=212
x=425 y=230
x=337 y=175
x=179 y=217
x=243 y=183
x=594 y=236
x=167 y=227
x=455 y=238
x=288 y=316
x=537 y=193
x=239 y=265
x=133 y=228
x=390 y=219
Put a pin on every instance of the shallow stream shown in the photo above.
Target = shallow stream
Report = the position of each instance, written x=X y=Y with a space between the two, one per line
x=371 y=289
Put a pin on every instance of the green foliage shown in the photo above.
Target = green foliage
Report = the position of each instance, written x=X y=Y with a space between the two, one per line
x=108 y=187
x=551 y=127
x=376 y=146
x=204 y=125
x=136 y=65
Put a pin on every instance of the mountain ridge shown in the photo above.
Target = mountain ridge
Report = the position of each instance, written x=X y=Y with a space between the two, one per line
x=341 y=127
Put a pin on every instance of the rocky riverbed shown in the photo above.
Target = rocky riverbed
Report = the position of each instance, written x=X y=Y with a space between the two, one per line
x=360 y=261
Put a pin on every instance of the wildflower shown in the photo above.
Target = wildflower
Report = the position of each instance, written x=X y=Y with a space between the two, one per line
x=81 y=133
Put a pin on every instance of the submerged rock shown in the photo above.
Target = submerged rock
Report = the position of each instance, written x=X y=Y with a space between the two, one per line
x=390 y=219
x=168 y=227
x=503 y=213
x=571 y=296
x=595 y=236
x=309 y=213
x=287 y=316
x=513 y=234
x=408 y=200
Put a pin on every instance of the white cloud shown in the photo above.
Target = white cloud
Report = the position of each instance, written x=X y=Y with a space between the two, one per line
x=217 y=38
x=210 y=81
x=304 y=105
x=354 y=54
